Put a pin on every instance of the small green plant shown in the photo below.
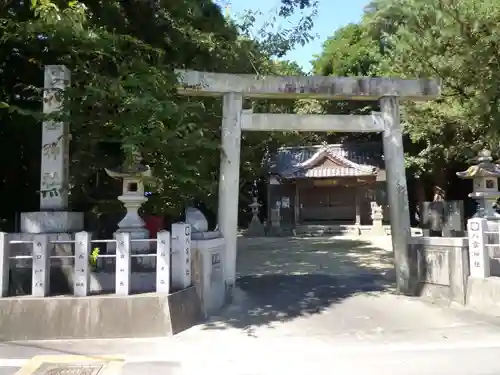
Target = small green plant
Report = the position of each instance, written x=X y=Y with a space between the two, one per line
x=93 y=256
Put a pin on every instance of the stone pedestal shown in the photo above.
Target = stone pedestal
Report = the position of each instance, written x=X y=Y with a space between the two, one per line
x=51 y=222
x=132 y=223
x=255 y=229
x=133 y=198
x=60 y=225
x=275 y=229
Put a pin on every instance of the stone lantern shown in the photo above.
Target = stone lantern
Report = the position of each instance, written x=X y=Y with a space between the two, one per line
x=255 y=206
x=255 y=228
x=485 y=176
x=133 y=175
x=377 y=217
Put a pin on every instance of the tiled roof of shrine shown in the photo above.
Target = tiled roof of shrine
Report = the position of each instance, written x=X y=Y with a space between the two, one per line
x=353 y=159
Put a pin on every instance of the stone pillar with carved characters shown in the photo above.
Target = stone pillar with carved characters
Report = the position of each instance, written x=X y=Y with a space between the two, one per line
x=54 y=216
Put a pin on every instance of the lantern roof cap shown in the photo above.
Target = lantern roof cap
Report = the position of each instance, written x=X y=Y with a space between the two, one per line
x=484 y=168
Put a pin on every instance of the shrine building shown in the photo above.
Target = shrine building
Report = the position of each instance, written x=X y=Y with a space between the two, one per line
x=327 y=184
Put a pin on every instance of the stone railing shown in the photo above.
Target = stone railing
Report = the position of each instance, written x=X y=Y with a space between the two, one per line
x=154 y=293
x=460 y=269
x=171 y=264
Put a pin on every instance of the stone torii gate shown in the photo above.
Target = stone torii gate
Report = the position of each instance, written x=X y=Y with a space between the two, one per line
x=233 y=88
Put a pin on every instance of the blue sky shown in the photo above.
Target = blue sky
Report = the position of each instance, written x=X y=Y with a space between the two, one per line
x=332 y=15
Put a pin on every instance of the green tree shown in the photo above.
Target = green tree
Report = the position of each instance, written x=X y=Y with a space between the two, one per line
x=455 y=42
x=123 y=94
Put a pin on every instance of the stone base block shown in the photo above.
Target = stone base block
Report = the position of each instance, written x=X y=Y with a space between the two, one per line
x=207 y=268
x=145 y=315
x=439 y=267
x=378 y=230
x=51 y=222
x=483 y=295
x=255 y=229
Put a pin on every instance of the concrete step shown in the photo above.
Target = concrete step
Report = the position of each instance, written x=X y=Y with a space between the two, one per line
x=313 y=230
x=318 y=230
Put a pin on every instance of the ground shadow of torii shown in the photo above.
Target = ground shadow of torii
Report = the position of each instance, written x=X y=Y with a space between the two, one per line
x=282 y=295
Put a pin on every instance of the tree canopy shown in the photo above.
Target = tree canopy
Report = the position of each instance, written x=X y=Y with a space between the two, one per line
x=122 y=57
x=454 y=41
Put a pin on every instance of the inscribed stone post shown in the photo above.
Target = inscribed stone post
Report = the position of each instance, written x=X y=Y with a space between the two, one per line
x=397 y=190
x=478 y=254
x=163 y=262
x=229 y=181
x=55 y=142
x=41 y=266
x=82 y=275
x=181 y=255
x=122 y=282
x=54 y=216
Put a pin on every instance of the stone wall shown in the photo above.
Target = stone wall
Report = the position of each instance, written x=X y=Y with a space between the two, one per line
x=440 y=268
x=98 y=317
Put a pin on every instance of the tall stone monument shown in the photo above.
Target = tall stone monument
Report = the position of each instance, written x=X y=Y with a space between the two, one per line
x=54 y=215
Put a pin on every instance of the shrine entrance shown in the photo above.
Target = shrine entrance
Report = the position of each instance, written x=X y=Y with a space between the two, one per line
x=389 y=92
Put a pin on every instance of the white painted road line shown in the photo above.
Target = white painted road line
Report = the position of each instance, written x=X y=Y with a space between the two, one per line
x=13 y=362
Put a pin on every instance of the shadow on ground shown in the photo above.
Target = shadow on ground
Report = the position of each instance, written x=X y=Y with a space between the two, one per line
x=288 y=278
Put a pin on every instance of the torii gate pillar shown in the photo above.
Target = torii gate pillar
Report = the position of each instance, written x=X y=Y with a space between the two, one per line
x=229 y=181
x=399 y=211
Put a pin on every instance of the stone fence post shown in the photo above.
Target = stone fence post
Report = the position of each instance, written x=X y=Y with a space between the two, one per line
x=41 y=266
x=163 y=262
x=122 y=281
x=4 y=264
x=181 y=255
x=478 y=252
x=81 y=279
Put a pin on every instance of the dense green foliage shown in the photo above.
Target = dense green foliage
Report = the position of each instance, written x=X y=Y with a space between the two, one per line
x=121 y=56
x=123 y=97
x=455 y=41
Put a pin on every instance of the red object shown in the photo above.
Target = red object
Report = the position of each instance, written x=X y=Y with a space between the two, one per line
x=154 y=224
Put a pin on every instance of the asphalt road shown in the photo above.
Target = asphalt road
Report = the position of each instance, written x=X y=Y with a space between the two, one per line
x=452 y=361
x=337 y=315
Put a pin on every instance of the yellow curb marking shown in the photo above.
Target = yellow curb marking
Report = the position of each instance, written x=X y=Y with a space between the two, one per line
x=111 y=364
